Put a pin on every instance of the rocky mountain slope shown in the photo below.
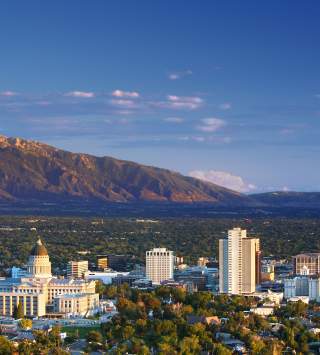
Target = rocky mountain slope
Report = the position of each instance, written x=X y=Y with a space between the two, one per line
x=31 y=170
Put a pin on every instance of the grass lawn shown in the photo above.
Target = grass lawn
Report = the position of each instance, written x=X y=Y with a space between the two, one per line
x=82 y=331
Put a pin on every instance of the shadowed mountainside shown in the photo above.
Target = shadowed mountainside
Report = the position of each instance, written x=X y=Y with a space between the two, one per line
x=36 y=171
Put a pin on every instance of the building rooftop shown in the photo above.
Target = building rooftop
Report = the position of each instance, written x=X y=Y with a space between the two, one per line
x=77 y=295
x=307 y=254
x=39 y=249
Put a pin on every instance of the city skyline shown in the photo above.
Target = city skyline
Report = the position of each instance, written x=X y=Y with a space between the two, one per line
x=230 y=92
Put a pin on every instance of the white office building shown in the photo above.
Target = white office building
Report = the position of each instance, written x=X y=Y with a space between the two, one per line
x=305 y=286
x=159 y=265
x=239 y=263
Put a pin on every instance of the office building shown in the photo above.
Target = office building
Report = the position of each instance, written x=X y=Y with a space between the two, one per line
x=239 y=263
x=77 y=269
x=102 y=263
x=306 y=286
x=296 y=286
x=267 y=272
x=159 y=265
x=306 y=264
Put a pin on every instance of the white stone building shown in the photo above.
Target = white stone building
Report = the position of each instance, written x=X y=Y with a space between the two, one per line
x=38 y=289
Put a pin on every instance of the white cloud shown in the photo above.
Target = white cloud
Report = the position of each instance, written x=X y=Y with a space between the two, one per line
x=224 y=179
x=174 y=76
x=179 y=75
x=211 y=124
x=8 y=93
x=123 y=103
x=81 y=94
x=180 y=102
x=174 y=119
x=184 y=102
x=120 y=93
x=225 y=106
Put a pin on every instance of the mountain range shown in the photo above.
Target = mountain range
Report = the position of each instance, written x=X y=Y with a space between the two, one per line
x=30 y=170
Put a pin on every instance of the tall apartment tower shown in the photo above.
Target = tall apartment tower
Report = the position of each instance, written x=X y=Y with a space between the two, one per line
x=239 y=262
x=159 y=265
x=77 y=269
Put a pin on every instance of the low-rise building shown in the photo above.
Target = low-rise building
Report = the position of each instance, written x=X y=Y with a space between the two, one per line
x=264 y=311
x=105 y=277
x=80 y=304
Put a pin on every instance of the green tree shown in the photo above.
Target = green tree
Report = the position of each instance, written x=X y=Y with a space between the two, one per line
x=127 y=332
x=166 y=349
x=94 y=336
x=100 y=288
x=190 y=345
x=18 y=312
x=219 y=349
x=6 y=347
x=25 y=323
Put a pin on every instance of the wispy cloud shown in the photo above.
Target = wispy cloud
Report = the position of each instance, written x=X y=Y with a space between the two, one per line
x=123 y=103
x=181 y=102
x=179 y=75
x=225 y=106
x=81 y=94
x=211 y=124
x=121 y=93
x=206 y=139
x=8 y=93
x=174 y=119
x=224 y=179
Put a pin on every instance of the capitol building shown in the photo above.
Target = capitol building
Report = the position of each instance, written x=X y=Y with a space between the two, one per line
x=40 y=293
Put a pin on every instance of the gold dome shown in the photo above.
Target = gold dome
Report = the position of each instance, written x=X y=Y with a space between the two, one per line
x=39 y=249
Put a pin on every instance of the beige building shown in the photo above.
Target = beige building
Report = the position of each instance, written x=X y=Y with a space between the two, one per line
x=239 y=263
x=159 y=265
x=76 y=304
x=39 y=288
x=77 y=269
x=306 y=264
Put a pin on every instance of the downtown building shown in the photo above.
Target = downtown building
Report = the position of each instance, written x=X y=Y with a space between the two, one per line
x=159 y=265
x=77 y=269
x=306 y=264
x=40 y=293
x=239 y=263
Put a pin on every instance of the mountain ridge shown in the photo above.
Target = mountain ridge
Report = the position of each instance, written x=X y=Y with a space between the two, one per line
x=34 y=170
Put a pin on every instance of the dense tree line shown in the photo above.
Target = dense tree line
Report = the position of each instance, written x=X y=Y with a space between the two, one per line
x=190 y=237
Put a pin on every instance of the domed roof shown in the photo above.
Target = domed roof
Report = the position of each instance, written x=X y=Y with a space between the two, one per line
x=39 y=249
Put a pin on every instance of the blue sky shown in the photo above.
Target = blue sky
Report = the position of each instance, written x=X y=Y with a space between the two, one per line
x=226 y=91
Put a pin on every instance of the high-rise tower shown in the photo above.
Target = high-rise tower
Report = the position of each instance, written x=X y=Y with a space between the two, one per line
x=239 y=262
